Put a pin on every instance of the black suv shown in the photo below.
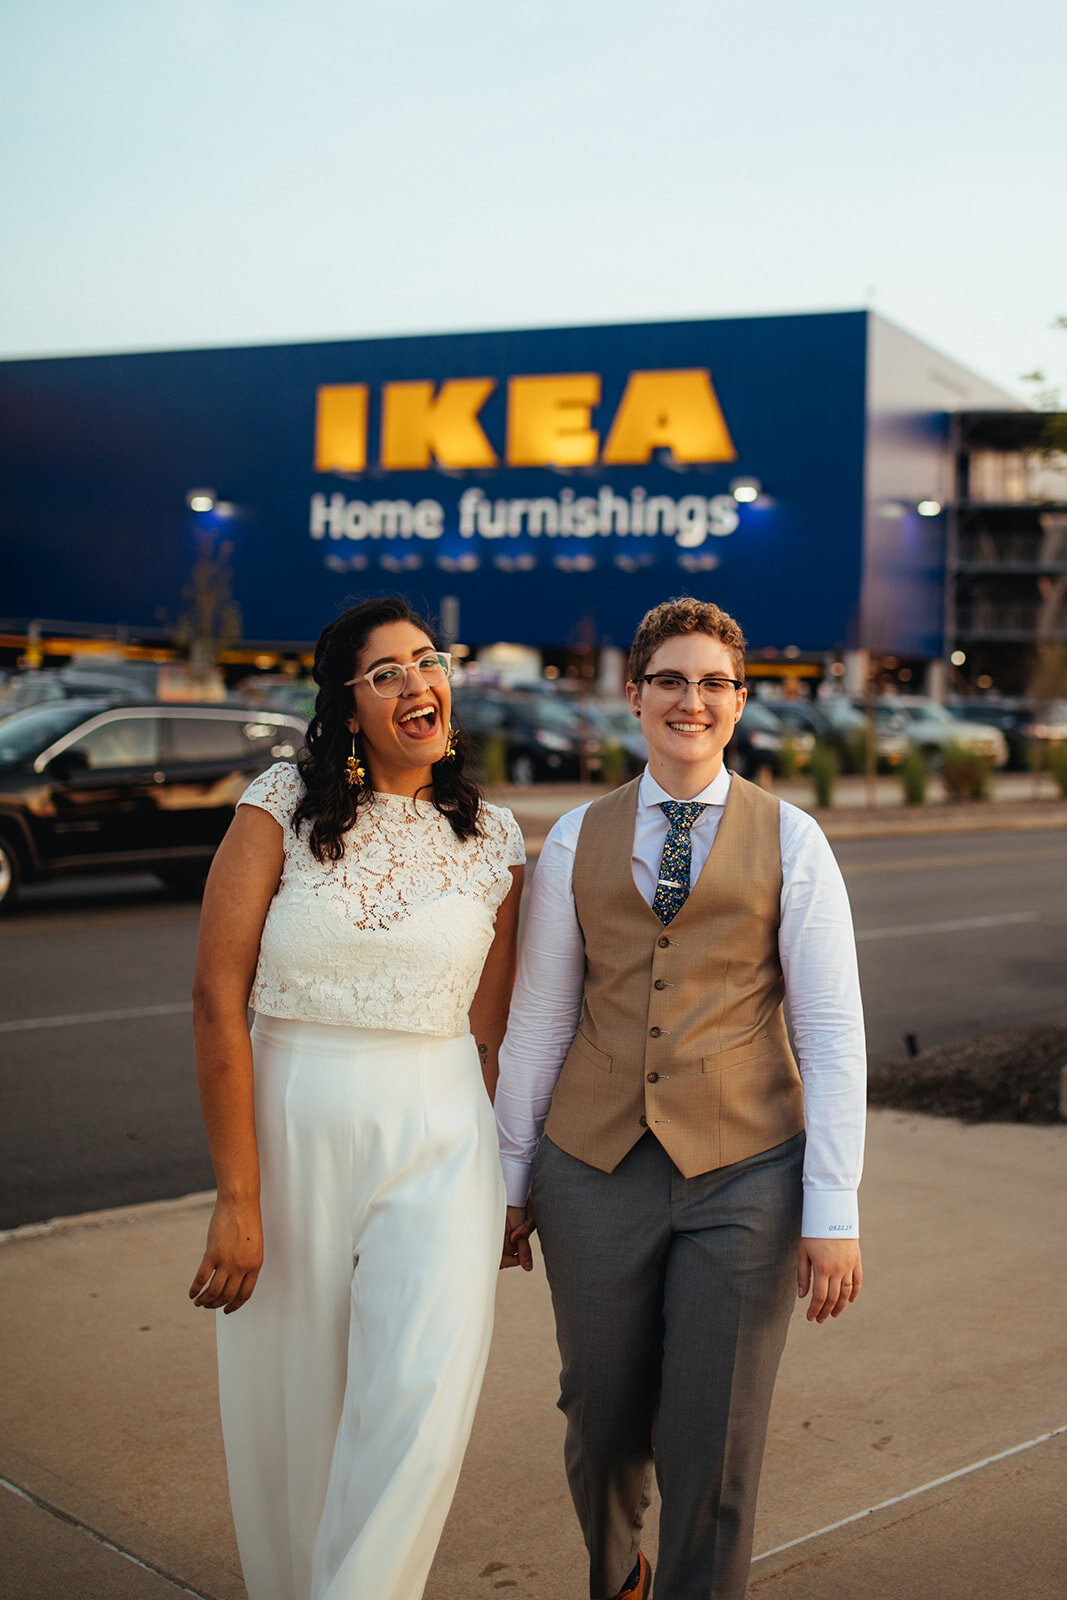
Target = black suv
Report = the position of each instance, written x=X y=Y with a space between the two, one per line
x=88 y=786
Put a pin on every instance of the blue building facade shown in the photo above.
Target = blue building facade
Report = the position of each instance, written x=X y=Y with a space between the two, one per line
x=543 y=487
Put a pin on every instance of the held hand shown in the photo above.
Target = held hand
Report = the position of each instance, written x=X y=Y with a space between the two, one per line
x=517 y=1230
x=232 y=1258
x=832 y=1269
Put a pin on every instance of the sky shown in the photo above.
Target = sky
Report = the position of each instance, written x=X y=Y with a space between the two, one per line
x=218 y=172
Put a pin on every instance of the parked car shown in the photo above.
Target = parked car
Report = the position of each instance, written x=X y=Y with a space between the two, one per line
x=87 y=786
x=1030 y=730
x=847 y=719
x=280 y=693
x=617 y=725
x=930 y=729
x=756 y=742
x=543 y=739
x=47 y=686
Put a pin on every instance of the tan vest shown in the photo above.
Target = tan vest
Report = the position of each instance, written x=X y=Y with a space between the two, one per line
x=682 y=1029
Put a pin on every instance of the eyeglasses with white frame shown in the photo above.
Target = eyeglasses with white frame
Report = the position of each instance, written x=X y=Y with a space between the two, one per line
x=709 y=689
x=389 y=678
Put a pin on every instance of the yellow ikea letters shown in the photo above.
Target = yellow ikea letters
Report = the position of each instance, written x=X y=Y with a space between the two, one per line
x=548 y=420
x=675 y=411
x=549 y=423
x=416 y=423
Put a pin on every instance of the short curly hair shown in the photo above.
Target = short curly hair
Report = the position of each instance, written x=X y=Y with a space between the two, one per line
x=680 y=616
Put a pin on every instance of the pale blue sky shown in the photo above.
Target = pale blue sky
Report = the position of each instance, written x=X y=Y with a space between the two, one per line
x=247 y=171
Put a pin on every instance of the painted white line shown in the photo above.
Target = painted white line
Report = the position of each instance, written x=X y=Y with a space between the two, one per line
x=117 y=1549
x=963 y=925
x=128 y=1014
x=924 y=1488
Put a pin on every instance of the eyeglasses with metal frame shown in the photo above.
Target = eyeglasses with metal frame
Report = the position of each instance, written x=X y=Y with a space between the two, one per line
x=709 y=689
x=390 y=678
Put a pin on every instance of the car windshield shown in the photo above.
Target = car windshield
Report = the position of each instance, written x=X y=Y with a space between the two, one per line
x=25 y=734
x=549 y=715
x=932 y=713
x=762 y=717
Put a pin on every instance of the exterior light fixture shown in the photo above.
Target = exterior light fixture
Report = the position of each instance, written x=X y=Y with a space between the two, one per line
x=958 y=657
x=200 y=499
x=745 y=490
x=929 y=508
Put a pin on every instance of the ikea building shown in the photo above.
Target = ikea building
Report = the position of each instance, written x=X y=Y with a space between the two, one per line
x=540 y=487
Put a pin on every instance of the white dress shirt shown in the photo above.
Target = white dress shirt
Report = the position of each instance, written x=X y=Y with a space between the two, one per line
x=818 y=954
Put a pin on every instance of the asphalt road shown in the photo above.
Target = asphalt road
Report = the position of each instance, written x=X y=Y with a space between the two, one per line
x=957 y=935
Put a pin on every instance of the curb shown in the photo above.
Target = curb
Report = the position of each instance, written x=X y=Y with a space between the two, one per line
x=148 y=1210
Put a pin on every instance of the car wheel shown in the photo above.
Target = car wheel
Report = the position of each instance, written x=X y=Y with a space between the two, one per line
x=522 y=768
x=10 y=874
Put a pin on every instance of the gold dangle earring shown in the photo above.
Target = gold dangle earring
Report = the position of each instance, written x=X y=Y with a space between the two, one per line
x=355 y=771
x=450 y=745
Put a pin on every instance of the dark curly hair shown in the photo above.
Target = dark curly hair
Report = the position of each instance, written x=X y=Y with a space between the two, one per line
x=330 y=804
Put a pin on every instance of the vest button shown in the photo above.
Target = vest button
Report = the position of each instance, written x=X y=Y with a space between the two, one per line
x=653 y=1077
x=659 y=984
x=663 y=942
x=643 y=1121
x=653 y=1033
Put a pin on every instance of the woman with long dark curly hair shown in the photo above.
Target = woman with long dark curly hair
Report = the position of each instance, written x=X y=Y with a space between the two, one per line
x=365 y=904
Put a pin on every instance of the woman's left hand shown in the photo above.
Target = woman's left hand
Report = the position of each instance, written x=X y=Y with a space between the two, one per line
x=232 y=1257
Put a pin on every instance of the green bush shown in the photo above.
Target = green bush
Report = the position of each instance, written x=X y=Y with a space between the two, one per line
x=823 y=773
x=492 y=763
x=1057 y=763
x=966 y=774
x=612 y=763
x=914 y=777
x=789 y=758
x=856 y=747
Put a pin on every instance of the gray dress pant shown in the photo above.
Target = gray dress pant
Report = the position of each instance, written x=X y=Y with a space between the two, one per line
x=672 y=1297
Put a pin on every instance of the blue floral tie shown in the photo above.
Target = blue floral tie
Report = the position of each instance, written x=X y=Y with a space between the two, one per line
x=672 y=891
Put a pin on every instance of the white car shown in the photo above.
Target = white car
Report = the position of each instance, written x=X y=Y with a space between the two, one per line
x=929 y=728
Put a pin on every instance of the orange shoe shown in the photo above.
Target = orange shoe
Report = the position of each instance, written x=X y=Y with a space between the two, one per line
x=639 y=1582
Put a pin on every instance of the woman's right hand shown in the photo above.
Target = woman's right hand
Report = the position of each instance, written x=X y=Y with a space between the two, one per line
x=518 y=1226
x=232 y=1257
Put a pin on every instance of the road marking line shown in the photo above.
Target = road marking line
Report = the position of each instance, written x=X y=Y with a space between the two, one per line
x=962 y=925
x=924 y=1488
x=127 y=1555
x=130 y=1013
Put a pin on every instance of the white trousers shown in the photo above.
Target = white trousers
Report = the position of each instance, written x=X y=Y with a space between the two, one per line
x=348 y=1382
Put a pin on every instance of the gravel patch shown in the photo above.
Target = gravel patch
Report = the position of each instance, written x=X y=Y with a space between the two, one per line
x=1013 y=1076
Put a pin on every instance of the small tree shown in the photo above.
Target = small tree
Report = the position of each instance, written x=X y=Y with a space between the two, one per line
x=211 y=621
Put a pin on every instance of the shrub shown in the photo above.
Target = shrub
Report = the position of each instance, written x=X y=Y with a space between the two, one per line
x=788 y=758
x=965 y=773
x=914 y=777
x=492 y=762
x=823 y=772
x=612 y=763
x=856 y=746
x=1057 y=762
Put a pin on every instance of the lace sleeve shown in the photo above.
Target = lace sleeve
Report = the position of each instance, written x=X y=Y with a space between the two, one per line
x=275 y=791
x=505 y=832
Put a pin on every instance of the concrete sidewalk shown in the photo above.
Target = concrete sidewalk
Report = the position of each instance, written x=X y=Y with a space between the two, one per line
x=932 y=1413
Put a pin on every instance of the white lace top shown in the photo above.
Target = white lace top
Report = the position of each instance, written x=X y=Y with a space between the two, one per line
x=395 y=934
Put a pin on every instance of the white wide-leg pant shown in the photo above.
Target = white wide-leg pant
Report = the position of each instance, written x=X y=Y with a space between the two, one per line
x=348 y=1382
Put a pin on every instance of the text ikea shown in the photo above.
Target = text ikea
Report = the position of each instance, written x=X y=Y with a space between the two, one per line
x=549 y=423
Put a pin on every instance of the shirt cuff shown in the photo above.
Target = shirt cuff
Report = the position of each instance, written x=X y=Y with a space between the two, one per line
x=516 y=1180
x=831 y=1214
